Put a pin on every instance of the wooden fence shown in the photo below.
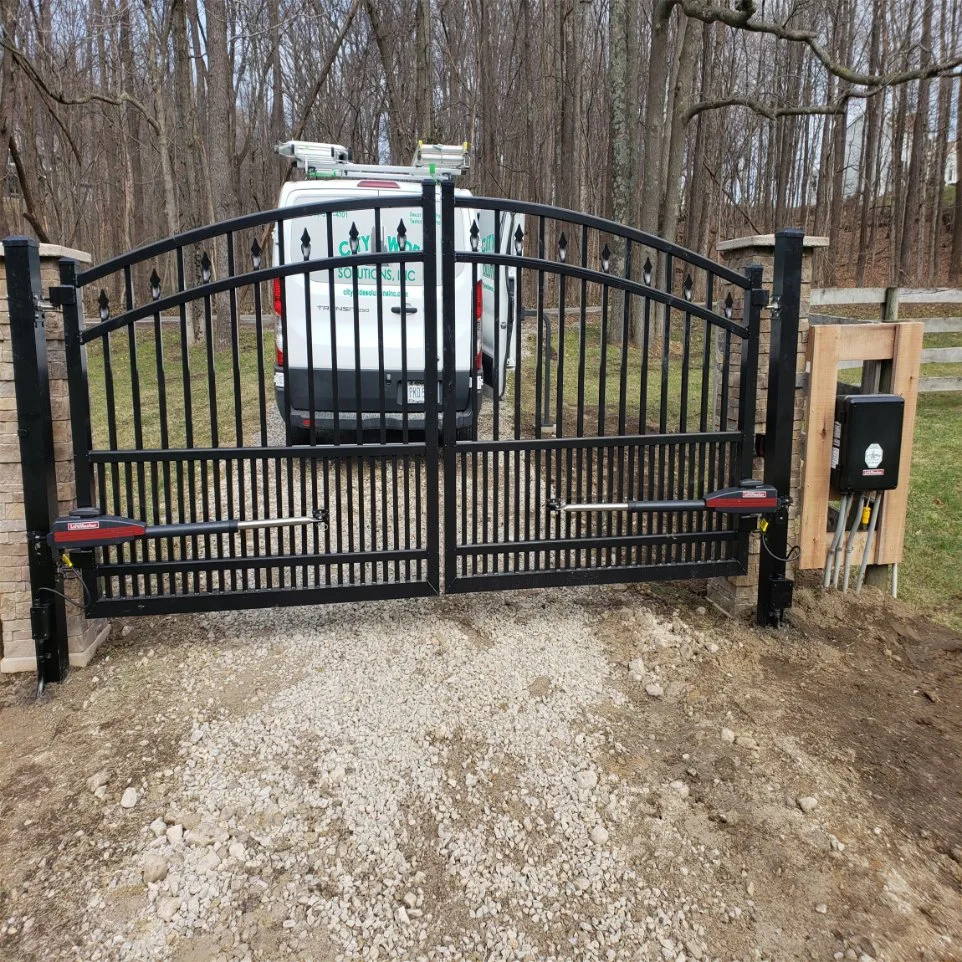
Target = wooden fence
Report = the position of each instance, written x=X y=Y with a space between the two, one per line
x=887 y=300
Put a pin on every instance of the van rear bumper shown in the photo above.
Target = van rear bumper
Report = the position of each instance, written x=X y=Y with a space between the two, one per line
x=368 y=386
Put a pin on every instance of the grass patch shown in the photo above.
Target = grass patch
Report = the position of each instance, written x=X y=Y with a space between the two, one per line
x=929 y=575
x=660 y=394
x=174 y=396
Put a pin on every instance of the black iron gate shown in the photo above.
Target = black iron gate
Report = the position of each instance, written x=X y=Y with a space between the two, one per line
x=618 y=416
x=190 y=435
x=252 y=457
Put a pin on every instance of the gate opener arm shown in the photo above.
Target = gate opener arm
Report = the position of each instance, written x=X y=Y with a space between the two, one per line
x=87 y=528
x=748 y=498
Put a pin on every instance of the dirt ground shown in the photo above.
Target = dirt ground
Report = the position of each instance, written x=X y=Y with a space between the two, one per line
x=612 y=773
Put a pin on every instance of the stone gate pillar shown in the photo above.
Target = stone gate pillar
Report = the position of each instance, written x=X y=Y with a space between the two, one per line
x=16 y=637
x=738 y=594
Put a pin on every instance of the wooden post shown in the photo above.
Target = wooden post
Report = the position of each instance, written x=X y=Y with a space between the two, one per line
x=878 y=576
x=901 y=345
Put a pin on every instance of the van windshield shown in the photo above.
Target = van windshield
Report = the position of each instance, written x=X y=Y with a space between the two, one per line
x=371 y=237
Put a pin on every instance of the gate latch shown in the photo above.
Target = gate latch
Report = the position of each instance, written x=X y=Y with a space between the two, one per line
x=62 y=294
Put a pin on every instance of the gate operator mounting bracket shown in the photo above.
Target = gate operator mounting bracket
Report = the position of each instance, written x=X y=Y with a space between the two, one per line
x=748 y=498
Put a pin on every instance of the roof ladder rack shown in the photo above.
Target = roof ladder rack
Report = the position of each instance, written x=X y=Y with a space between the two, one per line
x=329 y=161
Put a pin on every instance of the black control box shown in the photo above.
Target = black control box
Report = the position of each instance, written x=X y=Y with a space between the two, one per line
x=867 y=442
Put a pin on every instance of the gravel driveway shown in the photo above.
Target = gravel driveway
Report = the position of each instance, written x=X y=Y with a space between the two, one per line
x=570 y=775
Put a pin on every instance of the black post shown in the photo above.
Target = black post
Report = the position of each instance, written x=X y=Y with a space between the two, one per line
x=756 y=297
x=774 y=589
x=35 y=429
x=67 y=297
x=70 y=301
x=430 y=267
x=448 y=376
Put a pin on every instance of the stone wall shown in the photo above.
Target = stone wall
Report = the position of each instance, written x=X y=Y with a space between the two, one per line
x=15 y=596
x=739 y=594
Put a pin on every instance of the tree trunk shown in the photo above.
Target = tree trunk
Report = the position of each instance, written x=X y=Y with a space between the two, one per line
x=622 y=134
x=424 y=72
x=873 y=121
x=397 y=138
x=837 y=209
x=279 y=131
x=219 y=88
x=907 y=248
x=652 y=186
x=689 y=40
x=955 y=262
x=824 y=167
x=937 y=178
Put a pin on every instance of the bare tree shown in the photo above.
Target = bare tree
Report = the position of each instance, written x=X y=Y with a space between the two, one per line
x=125 y=120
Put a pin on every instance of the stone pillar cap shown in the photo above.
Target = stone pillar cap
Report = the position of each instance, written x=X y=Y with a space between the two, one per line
x=763 y=240
x=51 y=251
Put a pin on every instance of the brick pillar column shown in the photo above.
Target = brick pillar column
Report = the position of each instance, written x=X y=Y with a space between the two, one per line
x=738 y=594
x=16 y=637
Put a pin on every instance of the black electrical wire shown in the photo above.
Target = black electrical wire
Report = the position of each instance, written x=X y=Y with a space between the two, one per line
x=793 y=554
x=83 y=584
x=60 y=594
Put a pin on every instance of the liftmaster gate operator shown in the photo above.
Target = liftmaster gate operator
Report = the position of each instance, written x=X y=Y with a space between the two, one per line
x=867 y=442
x=866 y=450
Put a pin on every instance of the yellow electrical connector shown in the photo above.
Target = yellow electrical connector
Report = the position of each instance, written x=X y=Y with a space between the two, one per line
x=65 y=560
x=763 y=525
x=866 y=513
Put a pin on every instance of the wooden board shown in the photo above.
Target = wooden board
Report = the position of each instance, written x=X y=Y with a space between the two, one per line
x=930 y=295
x=907 y=359
x=828 y=345
x=933 y=325
x=937 y=385
x=826 y=296
x=942 y=355
x=943 y=325
x=817 y=451
x=872 y=342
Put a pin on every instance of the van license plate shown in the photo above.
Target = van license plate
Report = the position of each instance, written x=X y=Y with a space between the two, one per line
x=415 y=392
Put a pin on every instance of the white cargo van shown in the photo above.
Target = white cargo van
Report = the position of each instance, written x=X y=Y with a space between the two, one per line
x=396 y=354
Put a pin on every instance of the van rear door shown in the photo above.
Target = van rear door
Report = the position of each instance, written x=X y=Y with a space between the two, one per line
x=336 y=238
x=395 y=344
x=502 y=315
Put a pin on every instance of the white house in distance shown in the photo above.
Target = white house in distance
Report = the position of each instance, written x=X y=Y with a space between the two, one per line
x=853 y=156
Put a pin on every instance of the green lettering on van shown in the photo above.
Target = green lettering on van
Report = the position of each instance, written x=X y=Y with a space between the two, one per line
x=394 y=247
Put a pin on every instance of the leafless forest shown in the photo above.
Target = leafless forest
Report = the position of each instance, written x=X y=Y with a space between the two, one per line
x=128 y=120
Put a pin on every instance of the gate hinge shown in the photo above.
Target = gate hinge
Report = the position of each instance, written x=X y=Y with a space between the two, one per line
x=63 y=294
x=41 y=621
x=38 y=542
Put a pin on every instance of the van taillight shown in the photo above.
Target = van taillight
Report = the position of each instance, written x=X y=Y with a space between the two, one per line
x=278 y=354
x=478 y=307
x=277 y=296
